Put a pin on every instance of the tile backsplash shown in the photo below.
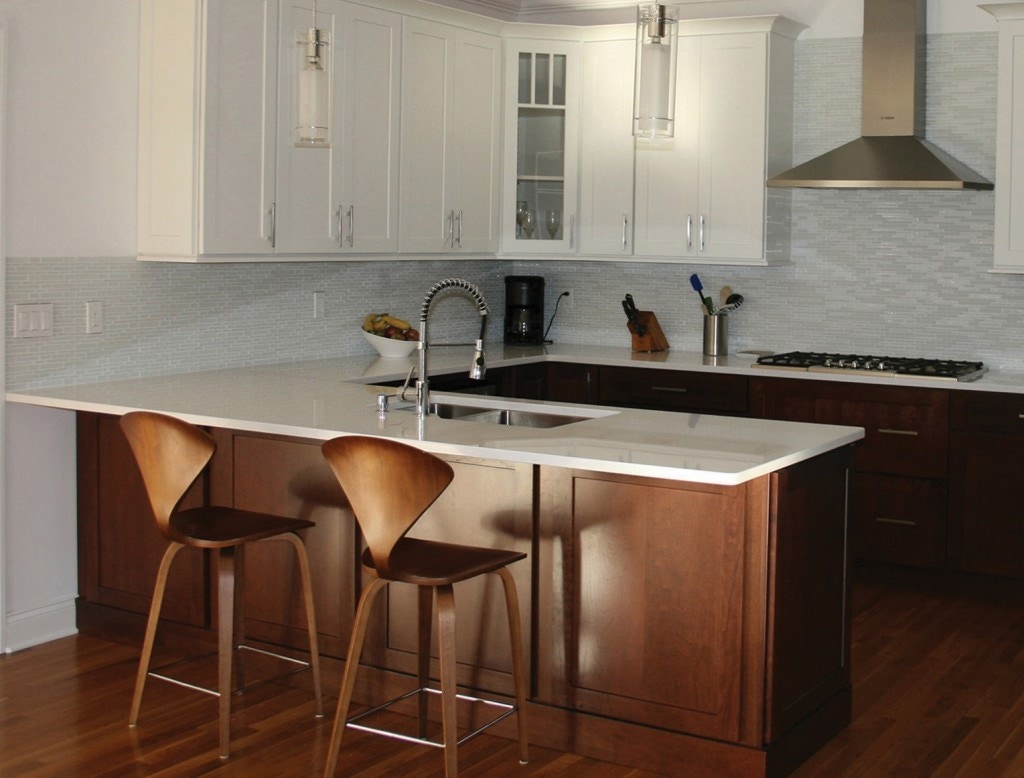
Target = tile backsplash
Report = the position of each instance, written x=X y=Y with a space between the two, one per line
x=897 y=272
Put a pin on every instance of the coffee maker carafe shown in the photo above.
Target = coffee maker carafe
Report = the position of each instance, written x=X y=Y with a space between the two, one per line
x=524 y=309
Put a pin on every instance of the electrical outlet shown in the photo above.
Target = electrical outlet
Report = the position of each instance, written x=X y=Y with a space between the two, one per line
x=94 y=317
x=318 y=305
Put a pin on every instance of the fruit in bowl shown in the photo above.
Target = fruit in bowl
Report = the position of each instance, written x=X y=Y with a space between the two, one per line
x=391 y=336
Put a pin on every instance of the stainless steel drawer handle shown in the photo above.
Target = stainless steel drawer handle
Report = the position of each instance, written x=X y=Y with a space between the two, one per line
x=901 y=522
x=885 y=431
x=676 y=389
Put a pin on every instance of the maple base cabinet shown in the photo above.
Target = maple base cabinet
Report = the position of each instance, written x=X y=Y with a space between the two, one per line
x=683 y=628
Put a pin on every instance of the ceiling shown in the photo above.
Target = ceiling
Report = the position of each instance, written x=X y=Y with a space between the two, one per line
x=617 y=11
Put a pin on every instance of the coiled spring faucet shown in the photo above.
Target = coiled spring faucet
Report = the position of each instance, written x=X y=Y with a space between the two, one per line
x=477 y=368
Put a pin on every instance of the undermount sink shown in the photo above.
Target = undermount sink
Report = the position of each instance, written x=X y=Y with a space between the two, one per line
x=509 y=417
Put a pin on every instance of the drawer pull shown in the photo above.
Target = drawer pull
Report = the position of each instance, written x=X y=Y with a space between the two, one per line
x=901 y=522
x=886 y=431
x=676 y=389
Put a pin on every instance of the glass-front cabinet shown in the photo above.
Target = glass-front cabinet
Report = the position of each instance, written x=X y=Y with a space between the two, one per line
x=542 y=127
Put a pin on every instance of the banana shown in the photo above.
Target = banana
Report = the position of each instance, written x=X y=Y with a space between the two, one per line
x=368 y=321
x=394 y=321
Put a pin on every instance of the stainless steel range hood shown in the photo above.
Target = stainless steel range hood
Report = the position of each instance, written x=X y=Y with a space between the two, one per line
x=891 y=152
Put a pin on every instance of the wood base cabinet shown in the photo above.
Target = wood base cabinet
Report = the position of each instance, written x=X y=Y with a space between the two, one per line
x=986 y=483
x=714 y=611
x=900 y=504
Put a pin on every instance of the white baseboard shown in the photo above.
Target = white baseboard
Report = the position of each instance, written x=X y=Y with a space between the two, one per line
x=39 y=625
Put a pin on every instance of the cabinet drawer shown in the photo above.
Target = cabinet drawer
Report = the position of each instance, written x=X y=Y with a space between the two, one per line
x=673 y=390
x=987 y=412
x=900 y=520
x=906 y=430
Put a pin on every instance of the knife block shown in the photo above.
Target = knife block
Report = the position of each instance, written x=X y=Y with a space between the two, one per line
x=653 y=338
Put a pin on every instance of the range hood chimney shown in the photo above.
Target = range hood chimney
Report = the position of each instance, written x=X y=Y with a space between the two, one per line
x=891 y=152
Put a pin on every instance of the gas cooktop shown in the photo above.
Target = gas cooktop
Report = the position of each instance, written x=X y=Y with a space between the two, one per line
x=907 y=367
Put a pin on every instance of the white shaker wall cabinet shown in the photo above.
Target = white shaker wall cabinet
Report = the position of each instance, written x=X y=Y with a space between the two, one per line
x=607 y=148
x=207 y=131
x=450 y=139
x=1009 y=184
x=220 y=177
x=701 y=196
x=341 y=199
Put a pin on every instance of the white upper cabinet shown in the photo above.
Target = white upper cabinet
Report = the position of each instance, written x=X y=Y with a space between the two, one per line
x=206 y=139
x=220 y=176
x=342 y=198
x=701 y=196
x=606 y=148
x=450 y=142
x=542 y=88
x=1009 y=184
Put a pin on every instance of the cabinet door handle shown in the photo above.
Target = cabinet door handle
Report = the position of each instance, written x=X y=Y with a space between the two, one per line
x=689 y=231
x=451 y=229
x=701 y=233
x=459 y=239
x=625 y=228
x=351 y=225
x=341 y=226
x=901 y=522
x=572 y=233
x=886 y=431
x=675 y=389
x=273 y=225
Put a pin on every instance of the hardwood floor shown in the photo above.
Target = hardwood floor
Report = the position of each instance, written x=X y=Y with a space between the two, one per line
x=938 y=668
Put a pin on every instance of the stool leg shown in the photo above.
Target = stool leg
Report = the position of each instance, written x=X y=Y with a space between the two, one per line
x=225 y=642
x=348 y=680
x=446 y=648
x=426 y=602
x=154 y=618
x=518 y=663
x=307 y=593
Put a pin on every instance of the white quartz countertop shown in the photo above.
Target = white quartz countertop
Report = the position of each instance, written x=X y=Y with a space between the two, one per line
x=324 y=398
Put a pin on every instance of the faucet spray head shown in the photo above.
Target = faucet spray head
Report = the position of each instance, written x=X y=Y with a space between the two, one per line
x=477 y=368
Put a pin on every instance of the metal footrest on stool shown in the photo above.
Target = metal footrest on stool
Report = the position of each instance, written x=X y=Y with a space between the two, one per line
x=507 y=710
x=300 y=665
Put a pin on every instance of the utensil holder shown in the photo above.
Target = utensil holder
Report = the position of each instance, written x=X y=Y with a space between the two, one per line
x=653 y=338
x=716 y=335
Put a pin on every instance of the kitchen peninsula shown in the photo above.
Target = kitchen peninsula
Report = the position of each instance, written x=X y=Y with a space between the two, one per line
x=686 y=589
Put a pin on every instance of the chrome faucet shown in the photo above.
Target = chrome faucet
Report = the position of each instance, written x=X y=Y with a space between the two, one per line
x=477 y=367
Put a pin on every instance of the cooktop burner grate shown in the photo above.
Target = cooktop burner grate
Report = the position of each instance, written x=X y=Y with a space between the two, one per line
x=940 y=369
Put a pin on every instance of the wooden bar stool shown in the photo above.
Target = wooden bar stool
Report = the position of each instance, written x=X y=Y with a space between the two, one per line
x=385 y=510
x=171 y=454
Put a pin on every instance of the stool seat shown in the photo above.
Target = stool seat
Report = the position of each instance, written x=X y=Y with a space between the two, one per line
x=219 y=527
x=431 y=563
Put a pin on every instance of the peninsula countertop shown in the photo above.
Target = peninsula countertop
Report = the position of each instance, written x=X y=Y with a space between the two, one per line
x=321 y=399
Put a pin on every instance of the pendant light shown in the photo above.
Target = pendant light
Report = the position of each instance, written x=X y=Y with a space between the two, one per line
x=654 y=88
x=313 y=104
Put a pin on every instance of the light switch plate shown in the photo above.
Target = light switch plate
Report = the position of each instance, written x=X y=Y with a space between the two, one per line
x=33 y=320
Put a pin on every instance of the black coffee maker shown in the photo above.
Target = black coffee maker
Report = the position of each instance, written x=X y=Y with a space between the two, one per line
x=524 y=309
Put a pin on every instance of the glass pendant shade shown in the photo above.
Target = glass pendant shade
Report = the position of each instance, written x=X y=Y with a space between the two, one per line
x=312 y=126
x=654 y=89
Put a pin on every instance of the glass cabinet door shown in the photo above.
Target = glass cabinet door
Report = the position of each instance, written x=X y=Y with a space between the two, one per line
x=540 y=193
